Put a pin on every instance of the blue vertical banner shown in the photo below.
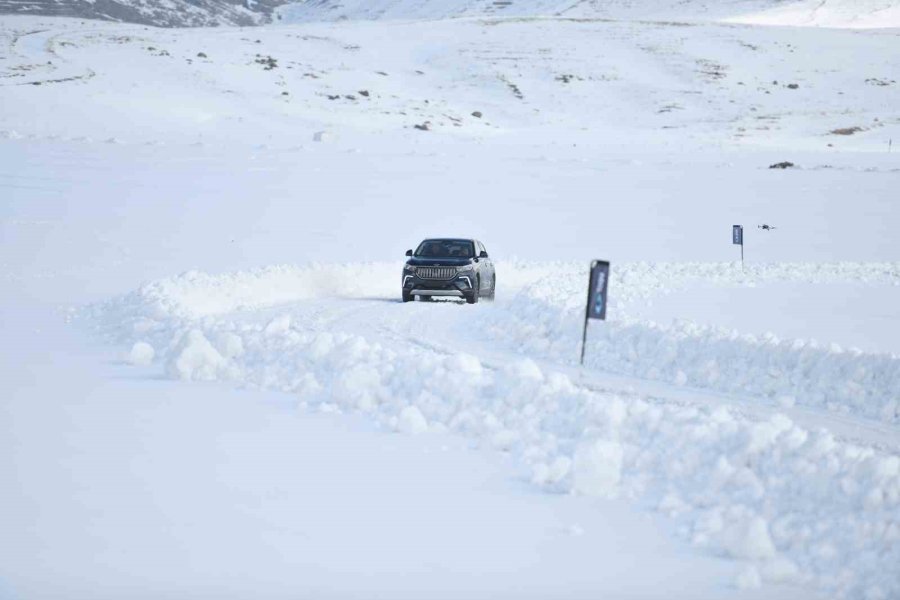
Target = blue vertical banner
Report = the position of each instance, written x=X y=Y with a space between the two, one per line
x=737 y=238
x=597 y=299
x=599 y=284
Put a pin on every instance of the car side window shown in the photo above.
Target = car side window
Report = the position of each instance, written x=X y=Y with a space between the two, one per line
x=485 y=249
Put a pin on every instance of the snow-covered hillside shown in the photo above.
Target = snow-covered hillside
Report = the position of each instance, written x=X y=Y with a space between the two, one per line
x=828 y=13
x=159 y=13
x=193 y=13
x=605 y=86
x=210 y=385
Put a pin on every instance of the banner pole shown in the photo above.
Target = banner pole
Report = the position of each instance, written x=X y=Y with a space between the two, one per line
x=583 y=340
x=587 y=310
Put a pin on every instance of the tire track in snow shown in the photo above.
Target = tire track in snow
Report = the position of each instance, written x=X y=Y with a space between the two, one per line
x=35 y=65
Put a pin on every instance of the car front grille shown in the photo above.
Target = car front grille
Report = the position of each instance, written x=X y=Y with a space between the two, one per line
x=436 y=272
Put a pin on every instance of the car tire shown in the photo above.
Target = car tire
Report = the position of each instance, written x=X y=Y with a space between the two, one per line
x=406 y=296
x=493 y=288
x=473 y=297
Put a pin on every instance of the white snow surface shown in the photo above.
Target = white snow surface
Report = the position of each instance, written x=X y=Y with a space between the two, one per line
x=804 y=506
x=733 y=432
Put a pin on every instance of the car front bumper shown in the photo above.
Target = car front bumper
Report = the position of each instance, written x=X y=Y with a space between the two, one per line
x=460 y=286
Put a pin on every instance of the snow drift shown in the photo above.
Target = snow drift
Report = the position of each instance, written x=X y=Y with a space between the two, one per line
x=796 y=505
x=545 y=323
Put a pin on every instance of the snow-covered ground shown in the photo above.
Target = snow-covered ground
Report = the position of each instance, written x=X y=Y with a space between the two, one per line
x=817 y=13
x=211 y=388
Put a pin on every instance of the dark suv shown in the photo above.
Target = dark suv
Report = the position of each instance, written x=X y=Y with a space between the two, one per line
x=449 y=267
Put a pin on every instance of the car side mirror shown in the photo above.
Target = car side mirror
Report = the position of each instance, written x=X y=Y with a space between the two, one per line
x=409 y=252
x=483 y=254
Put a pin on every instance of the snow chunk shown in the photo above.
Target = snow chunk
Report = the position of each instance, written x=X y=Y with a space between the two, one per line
x=141 y=354
x=464 y=363
x=229 y=345
x=598 y=468
x=749 y=539
x=279 y=325
x=195 y=359
x=412 y=421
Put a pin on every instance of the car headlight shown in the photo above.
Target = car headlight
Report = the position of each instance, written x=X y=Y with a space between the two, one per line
x=409 y=268
x=465 y=269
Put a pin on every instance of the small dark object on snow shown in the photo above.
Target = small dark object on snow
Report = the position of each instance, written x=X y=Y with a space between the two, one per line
x=782 y=165
x=846 y=130
x=201 y=55
x=35 y=83
x=267 y=62
x=477 y=114
x=333 y=97
x=766 y=227
x=426 y=126
x=350 y=97
x=285 y=94
x=792 y=86
x=364 y=93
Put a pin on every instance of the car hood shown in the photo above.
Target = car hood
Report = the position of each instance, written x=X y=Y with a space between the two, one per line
x=439 y=262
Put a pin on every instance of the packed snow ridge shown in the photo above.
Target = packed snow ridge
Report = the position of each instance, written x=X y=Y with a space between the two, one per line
x=796 y=505
x=545 y=323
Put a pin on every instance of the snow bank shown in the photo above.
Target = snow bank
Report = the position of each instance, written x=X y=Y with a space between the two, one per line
x=850 y=382
x=798 y=505
x=794 y=505
x=546 y=322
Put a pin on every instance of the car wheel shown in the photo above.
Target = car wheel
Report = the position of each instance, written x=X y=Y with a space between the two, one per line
x=473 y=297
x=493 y=288
x=406 y=296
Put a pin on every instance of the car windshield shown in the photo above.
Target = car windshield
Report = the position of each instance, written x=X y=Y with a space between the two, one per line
x=446 y=249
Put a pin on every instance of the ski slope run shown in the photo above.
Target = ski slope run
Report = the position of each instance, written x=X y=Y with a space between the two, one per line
x=722 y=432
